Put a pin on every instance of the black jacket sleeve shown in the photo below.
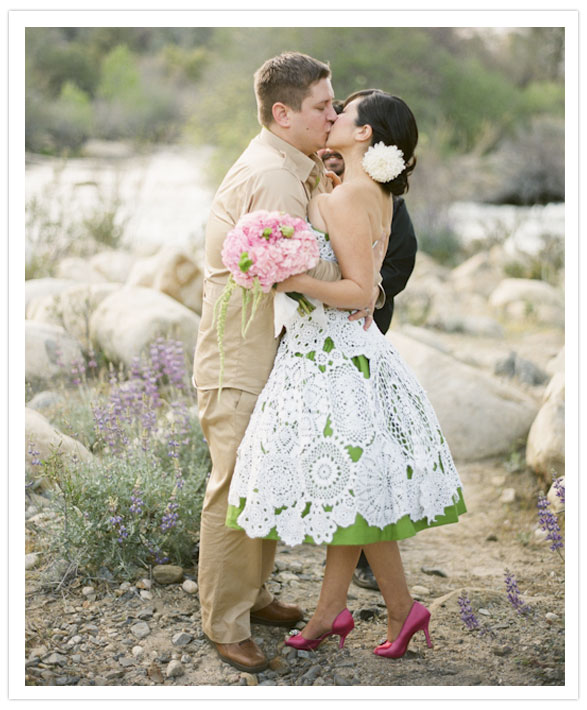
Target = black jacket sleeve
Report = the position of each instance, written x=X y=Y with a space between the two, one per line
x=399 y=261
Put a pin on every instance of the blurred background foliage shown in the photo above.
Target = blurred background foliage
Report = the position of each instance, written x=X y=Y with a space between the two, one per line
x=489 y=103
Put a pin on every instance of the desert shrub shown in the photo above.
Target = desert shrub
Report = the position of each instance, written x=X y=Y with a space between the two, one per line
x=137 y=502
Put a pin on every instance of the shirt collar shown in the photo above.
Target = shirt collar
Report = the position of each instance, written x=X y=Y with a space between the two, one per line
x=303 y=165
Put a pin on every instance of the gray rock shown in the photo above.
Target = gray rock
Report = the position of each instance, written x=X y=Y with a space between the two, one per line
x=140 y=630
x=182 y=639
x=49 y=351
x=44 y=437
x=31 y=560
x=173 y=272
x=545 y=448
x=55 y=659
x=128 y=320
x=167 y=574
x=524 y=370
x=44 y=400
x=189 y=586
x=479 y=415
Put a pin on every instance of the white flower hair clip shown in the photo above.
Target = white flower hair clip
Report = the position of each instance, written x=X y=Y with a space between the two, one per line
x=383 y=162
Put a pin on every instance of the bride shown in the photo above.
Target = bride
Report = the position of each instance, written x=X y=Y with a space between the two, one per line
x=343 y=447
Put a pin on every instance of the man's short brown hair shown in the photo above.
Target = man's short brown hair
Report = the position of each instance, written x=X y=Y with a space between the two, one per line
x=286 y=79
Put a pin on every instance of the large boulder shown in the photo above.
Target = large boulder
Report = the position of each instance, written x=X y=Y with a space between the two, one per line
x=128 y=320
x=39 y=288
x=455 y=312
x=43 y=438
x=172 y=271
x=78 y=269
x=49 y=351
x=72 y=308
x=114 y=265
x=478 y=274
x=479 y=415
x=545 y=449
x=523 y=299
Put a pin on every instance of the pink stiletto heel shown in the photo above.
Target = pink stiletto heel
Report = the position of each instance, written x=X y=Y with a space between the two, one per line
x=341 y=626
x=417 y=620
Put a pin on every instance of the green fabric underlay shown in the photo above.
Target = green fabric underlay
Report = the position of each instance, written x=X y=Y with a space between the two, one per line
x=361 y=533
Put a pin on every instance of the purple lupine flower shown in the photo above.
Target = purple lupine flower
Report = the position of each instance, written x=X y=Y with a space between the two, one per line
x=466 y=612
x=514 y=594
x=78 y=370
x=156 y=552
x=172 y=447
x=120 y=527
x=92 y=361
x=549 y=523
x=135 y=369
x=559 y=487
x=137 y=503
x=34 y=454
x=170 y=517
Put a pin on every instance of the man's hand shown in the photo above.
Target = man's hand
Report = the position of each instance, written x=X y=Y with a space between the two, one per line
x=367 y=313
x=336 y=181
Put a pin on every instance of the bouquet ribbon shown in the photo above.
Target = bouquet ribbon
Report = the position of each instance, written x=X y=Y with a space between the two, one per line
x=286 y=311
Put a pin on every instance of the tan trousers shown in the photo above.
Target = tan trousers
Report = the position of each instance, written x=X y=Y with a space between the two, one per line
x=232 y=568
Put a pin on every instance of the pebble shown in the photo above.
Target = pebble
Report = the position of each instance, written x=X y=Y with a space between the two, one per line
x=140 y=630
x=39 y=651
x=508 y=495
x=485 y=612
x=174 y=669
x=167 y=574
x=146 y=595
x=366 y=613
x=551 y=617
x=280 y=664
x=138 y=651
x=498 y=481
x=31 y=560
x=419 y=590
x=181 y=639
x=55 y=659
x=189 y=586
x=185 y=658
x=249 y=678
x=143 y=584
x=501 y=650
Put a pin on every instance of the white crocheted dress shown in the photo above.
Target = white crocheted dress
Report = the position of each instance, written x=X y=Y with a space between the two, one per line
x=343 y=446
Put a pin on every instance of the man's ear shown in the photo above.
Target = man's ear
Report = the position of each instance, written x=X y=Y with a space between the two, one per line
x=281 y=114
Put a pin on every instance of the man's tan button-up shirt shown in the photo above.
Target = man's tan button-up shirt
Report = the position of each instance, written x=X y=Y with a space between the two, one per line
x=270 y=175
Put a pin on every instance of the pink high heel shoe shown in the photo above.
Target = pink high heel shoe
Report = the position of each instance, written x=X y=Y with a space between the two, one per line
x=341 y=626
x=417 y=620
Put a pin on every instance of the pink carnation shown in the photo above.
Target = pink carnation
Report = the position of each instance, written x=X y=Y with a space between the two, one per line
x=270 y=247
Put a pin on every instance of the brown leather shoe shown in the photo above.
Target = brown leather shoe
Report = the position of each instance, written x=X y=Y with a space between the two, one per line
x=244 y=655
x=277 y=613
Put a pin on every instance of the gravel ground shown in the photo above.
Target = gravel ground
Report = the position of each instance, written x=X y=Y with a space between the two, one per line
x=94 y=633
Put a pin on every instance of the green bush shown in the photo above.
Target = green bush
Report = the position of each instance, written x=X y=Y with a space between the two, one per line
x=137 y=501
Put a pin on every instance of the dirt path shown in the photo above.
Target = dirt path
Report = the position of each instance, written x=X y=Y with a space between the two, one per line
x=75 y=640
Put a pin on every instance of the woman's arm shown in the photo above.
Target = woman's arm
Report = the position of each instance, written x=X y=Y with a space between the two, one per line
x=350 y=232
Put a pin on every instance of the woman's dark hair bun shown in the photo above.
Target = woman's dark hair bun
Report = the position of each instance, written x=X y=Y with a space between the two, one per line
x=392 y=122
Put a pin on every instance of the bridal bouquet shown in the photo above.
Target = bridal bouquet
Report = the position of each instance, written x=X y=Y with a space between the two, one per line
x=263 y=249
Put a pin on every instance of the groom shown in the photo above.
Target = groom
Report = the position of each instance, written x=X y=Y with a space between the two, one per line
x=279 y=170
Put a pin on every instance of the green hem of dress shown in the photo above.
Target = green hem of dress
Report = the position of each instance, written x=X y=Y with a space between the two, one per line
x=361 y=533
